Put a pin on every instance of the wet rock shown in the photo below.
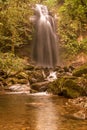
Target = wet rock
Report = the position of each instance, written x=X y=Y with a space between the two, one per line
x=79 y=105
x=80 y=102
x=80 y=115
x=20 y=88
x=33 y=91
x=40 y=86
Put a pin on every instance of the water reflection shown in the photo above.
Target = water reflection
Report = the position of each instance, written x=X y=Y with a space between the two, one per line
x=29 y=112
x=46 y=116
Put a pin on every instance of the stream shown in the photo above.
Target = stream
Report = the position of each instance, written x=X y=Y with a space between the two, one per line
x=37 y=112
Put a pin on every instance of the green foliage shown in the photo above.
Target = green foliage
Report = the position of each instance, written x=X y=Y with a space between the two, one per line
x=50 y=3
x=15 y=28
x=72 y=24
x=10 y=63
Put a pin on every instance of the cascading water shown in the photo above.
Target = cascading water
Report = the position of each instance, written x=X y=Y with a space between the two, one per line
x=44 y=48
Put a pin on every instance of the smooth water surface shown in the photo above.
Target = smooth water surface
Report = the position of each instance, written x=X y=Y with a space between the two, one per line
x=36 y=112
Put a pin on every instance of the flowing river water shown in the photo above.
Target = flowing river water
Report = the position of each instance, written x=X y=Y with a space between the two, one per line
x=37 y=112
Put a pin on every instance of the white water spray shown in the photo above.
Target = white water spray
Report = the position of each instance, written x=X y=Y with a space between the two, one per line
x=52 y=76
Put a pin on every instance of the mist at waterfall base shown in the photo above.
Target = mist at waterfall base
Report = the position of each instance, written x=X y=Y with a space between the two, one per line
x=44 y=46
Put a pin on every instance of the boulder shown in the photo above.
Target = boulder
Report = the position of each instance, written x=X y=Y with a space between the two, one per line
x=67 y=87
x=20 y=88
x=35 y=76
x=40 y=86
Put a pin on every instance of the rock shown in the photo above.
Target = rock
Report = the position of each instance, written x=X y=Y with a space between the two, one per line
x=33 y=91
x=11 y=80
x=29 y=67
x=53 y=87
x=22 y=75
x=40 y=86
x=66 y=69
x=35 y=76
x=80 y=102
x=70 y=88
x=22 y=81
x=67 y=86
x=32 y=80
x=14 y=80
x=79 y=105
x=80 y=115
x=20 y=88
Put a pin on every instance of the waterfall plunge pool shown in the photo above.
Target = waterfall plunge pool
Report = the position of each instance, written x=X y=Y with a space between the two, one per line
x=32 y=112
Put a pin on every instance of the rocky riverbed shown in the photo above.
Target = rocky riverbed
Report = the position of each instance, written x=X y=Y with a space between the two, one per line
x=79 y=106
x=68 y=81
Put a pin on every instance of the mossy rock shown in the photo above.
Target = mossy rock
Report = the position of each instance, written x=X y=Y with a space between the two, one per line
x=22 y=75
x=70 y=93
x=14 y=80
x=67 y=87
x=71 y=89
x=66 y=69
x=22 y=81
x=1 y=79
x=37 y=75
x=33 y=91
x=80 y=71
x=54 y=87
x=11 y=81
x=29 y=67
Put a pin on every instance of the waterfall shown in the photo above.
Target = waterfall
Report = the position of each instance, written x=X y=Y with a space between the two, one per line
x=44 y=48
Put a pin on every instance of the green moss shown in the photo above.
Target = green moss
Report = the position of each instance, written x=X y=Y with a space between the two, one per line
x=54 y=87
x=71 y=89
x=11 y=81
x=70 y=93
x=68 y=87
x=80 y=71
x=69 y=83
x=22 y=75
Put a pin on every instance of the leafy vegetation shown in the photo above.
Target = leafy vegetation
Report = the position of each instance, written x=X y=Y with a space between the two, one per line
x=10 y=63
x=73 y=26
x=14 y=24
